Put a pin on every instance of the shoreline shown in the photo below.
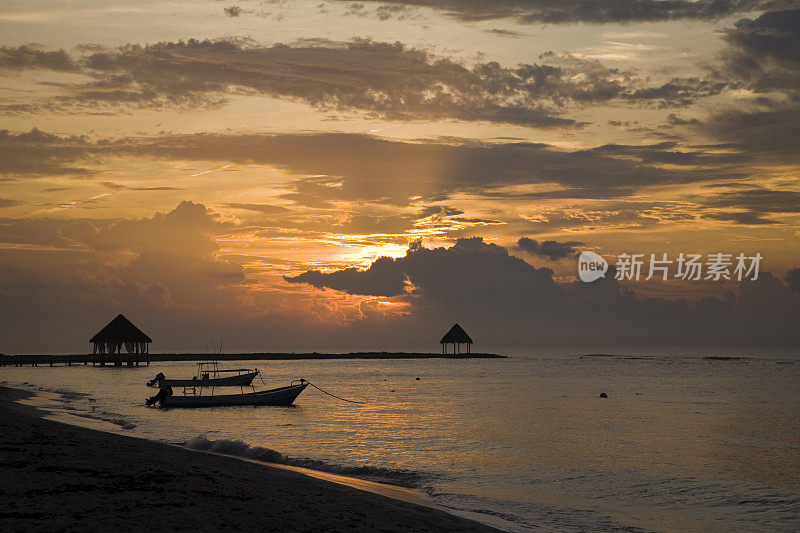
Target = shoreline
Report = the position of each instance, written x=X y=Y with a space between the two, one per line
x=141 y=484
x=46 y=405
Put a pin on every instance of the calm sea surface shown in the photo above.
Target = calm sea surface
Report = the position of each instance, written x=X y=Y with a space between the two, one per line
x=700 y=439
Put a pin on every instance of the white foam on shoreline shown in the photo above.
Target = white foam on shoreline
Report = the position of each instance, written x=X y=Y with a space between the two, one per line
x=384 y=489
x=53 y=407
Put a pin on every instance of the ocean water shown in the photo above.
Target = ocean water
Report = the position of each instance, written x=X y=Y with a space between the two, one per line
x=689 y=439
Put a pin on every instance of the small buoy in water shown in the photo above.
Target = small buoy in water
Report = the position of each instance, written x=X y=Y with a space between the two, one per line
x=603 y=395
x=391 y=390
x=417 y=379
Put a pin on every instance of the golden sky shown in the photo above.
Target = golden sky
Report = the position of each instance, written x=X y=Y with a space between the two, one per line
x=219 y=169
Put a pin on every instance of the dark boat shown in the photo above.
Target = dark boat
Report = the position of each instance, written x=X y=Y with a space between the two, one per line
x=281 y=396
x=209 y=375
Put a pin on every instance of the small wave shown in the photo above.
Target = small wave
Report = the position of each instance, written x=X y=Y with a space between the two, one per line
x=70 y=395
x=108 y=417
x=518 y=516
x=596 y=355
x=235 y=447
x=724 y=358
x=402 y=478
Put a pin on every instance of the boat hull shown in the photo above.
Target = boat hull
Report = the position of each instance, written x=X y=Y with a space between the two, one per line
x=242 y=380
x=281 y=396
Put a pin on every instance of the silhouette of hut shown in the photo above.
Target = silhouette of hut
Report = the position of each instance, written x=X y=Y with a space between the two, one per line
x=456 y=336
x=118 y=333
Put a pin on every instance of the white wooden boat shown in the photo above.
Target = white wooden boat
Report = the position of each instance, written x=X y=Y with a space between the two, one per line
x=280 y=396
x=209 y=375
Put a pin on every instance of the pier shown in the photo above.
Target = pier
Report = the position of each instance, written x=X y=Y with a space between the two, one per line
x=135 y=359
x=118 y=359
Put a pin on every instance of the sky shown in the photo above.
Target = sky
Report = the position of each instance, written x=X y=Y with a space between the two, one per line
x=361 y=175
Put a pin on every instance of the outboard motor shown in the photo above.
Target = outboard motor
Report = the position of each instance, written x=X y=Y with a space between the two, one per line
x=162 y=393
x=153 y=382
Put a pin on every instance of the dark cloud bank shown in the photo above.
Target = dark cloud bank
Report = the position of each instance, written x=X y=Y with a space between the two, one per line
x=763 y=56
x=65 y=278
x=72 y=275
x=388 y=80
x=368 y=168
x=398 y=82
x=550 y=249
x=385 y=172
x=502 y=299
x=593 y=11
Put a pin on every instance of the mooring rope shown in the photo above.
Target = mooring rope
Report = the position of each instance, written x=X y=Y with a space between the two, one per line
x=329 y=394
x=321 y=390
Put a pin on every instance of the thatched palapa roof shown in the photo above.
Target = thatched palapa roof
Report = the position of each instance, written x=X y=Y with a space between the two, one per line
x=120 y=330
x=456 y=335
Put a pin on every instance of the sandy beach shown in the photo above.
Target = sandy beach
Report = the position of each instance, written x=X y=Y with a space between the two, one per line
x=57 y=477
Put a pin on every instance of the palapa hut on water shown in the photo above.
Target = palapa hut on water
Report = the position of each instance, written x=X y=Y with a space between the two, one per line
x=118 y=333
x=456 y=336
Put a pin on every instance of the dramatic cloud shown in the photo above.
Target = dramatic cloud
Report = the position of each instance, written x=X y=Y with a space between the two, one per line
x=504 y=299
x=592 y=11
x=29 y=56
x=361 y=167
x=750 y=206
x=763 y=57
x=384 y=277
x=769 y=132
x=175 y=250
x=551 y=249
x=380 y=79
x=387 y=80
x=63 y=271
x=468 y=274
x=37 y=153
x=765 y=52
x=680 y=131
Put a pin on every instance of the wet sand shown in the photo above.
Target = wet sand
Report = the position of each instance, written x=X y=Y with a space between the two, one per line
x=58 y=477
